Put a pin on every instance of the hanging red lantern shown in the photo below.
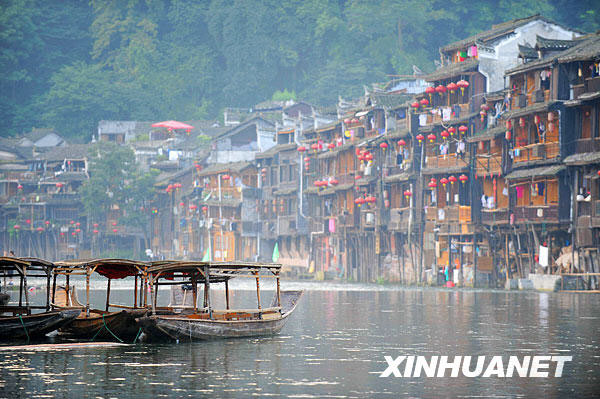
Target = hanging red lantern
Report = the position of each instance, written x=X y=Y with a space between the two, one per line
x=28 y=221
x=463 y=129
x=357 y=151
x=59 y=185
x=440 y=89
x=445 y=134
x=370 y=199
x=62 y=234
x=463 y=178
x=424 y=102
x=226 y=177
x=508 y=135
x=320 y=146
x=77 y=230
x=401 y=142
x=444 y=181
x=429 y=91
x=521 y=121
x=73 y=234
x=17 y=227
x=95 y=225
x=347 y=121
x=182 y=204
x=301 y=148
x=415 y=105
x=334 y=182
x=19 y=187
x=431 y=137
x=383 y=146
x=77 y=224
x=359 y=201
x=314 y=147
x=485 y=107
x=193 y=207
x=47 y=222
x=177 y=185
x=368 y=157
x=452 y=179
x=95 y=231
x=331 y=146
x=40 y=229
x=536 y=119
x=420 y=138
x=357 y=177
x=599 y=173
x=114 y=223
x=463 y=84
x=114 y=230
x=432 y=184
x=407 y=194
x=452 y=87
x=451 y=130
x=508 y=125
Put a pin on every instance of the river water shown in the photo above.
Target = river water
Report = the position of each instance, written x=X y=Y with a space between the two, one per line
x=334 y=346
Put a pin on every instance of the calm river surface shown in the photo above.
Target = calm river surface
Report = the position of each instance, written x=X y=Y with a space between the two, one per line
x=334 y=346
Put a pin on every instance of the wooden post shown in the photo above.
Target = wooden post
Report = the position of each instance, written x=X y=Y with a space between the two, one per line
x=108 y=293
x=87 y=292
x=151 y=283
x=475 y=246
x=278 y=292
x=54 y=288
x=194 y=292
x=257 y=289
x=47 y=290
x=155 y=298
x=227 y=294
x=207 y=289
x=21 y=288
x=506 y=259
x=135 y=291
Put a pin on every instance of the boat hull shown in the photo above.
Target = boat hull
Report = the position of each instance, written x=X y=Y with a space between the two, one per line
x=181 y=328
x=37 y=325
x=99 y=325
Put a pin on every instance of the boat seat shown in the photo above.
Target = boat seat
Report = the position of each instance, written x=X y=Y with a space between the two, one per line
x=180 y=299
x=66 y=300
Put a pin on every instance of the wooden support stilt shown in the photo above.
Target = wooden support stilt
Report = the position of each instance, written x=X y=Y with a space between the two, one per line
x=108 y=294
x=227 y=294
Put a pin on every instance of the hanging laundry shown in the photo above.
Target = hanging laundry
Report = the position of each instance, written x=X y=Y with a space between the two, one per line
x=473 y=51
x=422 y=119
x=446 y=113
x=520 y=191
x=540 y=188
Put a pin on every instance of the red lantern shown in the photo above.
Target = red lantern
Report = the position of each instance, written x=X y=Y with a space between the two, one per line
x=62 y=234
x=72 y=222
x=420 y=138
x=177 y=185
x=370 y=199
x=440 y=89
x=508 y=125
x=383 y=146
x=359 y=201
x=407 y=194
x=445 y=134
x=47 y=222
x=59 y=185
x=415 y=105
x=19 y=187
x=17 y=227
x=77 y=230
x=40 y=229
x=95 y=231
x=463 y=129
x=114 y=223
x=77 y=224
x=463 y=84
x=452 y=179
x=401 y=142
x=444 y=181
x=95 y=225
x=73 y=234
x=114 y=230
x=424 y=102
x=347 y=121
x=314 y=147
x=536 y=119
x=599 y=173
x=508 y=135
x=334 y=182
x=432 y=184
x=452 y=87
x=28 y=221
x=301 y=148
x=485 y=107
x=357 y=151
x=357 y=177
x=431 y=137
x=368 y=157
x=521 y=121
x=429 y=91
x=331 y=146
x=226 y=177
x=463 y=178
x=193 y=207
x=451 y=130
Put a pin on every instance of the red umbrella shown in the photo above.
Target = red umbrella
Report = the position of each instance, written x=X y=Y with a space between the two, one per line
x=173 y=125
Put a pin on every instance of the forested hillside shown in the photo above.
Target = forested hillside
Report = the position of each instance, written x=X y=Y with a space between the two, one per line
x=67 y=64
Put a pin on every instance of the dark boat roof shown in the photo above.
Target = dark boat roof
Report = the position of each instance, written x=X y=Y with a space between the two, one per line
x=30 y=264
x=109 y=267
x=218 y=271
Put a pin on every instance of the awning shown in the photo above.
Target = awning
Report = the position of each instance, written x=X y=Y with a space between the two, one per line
x=583 y=159
x=543 y=171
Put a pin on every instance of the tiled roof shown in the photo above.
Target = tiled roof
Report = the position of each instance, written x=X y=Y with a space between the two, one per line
x=583 y=159
x=543 y=43
x=452 y=70
x=535 y=172
x=215 y=168
x=275 y=150
x=487 y=134
x=527 y=52
x=73 y=151
x=539 y=107
x=389 y=100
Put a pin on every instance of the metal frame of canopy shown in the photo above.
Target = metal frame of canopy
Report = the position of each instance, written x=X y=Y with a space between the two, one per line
x=207 y=273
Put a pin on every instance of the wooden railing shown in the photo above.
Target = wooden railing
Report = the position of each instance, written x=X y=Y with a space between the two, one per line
x=399 y=218
x=587 y=145
x=536 y=152
x=446 y=161
x=495 y=216
x=488 y=164
x=540 y=213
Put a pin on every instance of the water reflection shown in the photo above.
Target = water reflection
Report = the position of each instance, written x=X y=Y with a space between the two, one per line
x=334 y=346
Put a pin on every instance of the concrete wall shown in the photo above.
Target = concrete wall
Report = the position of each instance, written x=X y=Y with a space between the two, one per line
x=503 y=54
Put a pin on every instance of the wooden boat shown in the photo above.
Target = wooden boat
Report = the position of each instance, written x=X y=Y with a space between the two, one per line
x=101 y=324
x=207 y=323
x=18 y=321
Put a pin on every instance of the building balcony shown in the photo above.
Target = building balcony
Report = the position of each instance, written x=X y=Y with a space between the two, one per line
x=287 y=225
x=486 y=165
x=454 y=214
x=524 y=100
x=399 y=219
x=495 y=216
x=446 y=161
x=537 y=213
x=369 y=218
x=587 y=145
x=432 y=119
x=536 y=152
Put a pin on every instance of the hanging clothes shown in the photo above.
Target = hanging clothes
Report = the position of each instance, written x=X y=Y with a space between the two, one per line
x=520 y=191
x=446 y=113
x=423 y=120
x=540 y=188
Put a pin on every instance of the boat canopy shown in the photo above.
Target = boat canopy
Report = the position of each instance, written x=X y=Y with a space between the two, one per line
x=217 y=271
x=26 y=265
x=109 y=268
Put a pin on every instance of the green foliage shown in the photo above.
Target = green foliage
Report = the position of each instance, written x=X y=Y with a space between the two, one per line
x=284 y=95
x=117 y=183
x=71 y=63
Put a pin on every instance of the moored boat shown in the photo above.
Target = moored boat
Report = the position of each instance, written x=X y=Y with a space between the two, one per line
x=202 y=323
x=20 y=321
x=101 y=324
